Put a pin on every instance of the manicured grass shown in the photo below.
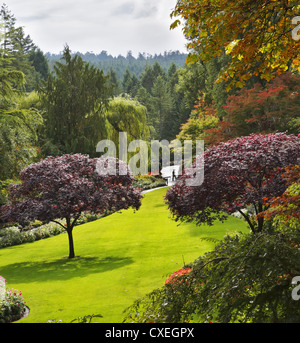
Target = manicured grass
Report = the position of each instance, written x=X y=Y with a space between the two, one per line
x=121 y=257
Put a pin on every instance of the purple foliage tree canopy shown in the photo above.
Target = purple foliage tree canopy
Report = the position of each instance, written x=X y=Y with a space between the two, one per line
x=237 y=174
x=66 y=186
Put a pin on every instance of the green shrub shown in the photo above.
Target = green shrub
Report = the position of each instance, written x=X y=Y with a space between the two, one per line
x=15 y=235
x=148 y=182
x=11 y=236
x=4 y=190
x=89 y=217
x=246 y=278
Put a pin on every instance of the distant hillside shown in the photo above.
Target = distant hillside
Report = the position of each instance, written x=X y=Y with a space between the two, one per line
x=119 y=64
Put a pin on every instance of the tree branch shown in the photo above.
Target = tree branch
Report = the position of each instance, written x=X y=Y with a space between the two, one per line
x=248 y=220
x=54 y=221
x=75 y=220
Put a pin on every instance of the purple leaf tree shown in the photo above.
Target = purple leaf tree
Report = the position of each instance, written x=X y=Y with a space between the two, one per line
x=237 y=174
x=64 y=187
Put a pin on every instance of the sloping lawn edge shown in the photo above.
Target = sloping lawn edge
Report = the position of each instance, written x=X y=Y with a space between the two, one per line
x=121 y=258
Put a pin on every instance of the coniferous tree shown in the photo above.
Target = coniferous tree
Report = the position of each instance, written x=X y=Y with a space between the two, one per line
x=21 y=49
x=150 y=74
x=114 y=82
x=40 y=64
x=161 y=105
x=74 y=99
x=147 y=78
x=172 y=120
x=126 y=83
x=130 y=83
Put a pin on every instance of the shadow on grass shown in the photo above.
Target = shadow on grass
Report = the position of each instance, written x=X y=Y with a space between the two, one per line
x=61 y=269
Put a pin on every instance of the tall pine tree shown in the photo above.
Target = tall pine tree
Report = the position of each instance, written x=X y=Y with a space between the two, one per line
x=21 y=50
x=74 y=99
x=161 y=106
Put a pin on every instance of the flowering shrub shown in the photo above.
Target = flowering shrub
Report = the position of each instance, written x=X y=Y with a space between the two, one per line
x=168 y=304
x=2 y=288
x=175 y=277
x=247 y=278
x=12 y=304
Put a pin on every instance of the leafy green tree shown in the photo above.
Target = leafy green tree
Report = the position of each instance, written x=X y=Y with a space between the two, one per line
x=17 y=149
x=215 y=92
x=147 y=78
x=191 y=81
x=143 y=96
x=199 y=79
x=18 y=123
x=194 y=129
x=11 y=81
x=172 y=78
x=74 y=99
x=256 y=34
x=158 y=71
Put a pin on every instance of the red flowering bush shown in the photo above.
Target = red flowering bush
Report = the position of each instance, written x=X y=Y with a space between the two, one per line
x=174 y=278
x=246 y=278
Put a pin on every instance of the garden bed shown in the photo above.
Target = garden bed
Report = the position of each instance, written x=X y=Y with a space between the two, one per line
x=148 y=182
x=24 y=315
x=12 y=304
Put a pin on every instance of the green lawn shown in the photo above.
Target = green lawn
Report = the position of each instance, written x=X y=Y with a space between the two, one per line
x=121 y=257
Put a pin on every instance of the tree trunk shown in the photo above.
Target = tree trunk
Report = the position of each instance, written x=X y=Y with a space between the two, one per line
x=71 y=243
x=70 y=235
x=260 y=220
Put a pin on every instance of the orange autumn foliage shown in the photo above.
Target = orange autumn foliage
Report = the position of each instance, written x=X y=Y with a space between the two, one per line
x=288 y=204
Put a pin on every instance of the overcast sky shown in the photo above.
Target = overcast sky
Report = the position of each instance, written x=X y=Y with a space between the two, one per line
x=116 y=26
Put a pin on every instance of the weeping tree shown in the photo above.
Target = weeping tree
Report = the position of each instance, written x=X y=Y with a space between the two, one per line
x=126 y=115
x=64 y=187
x=18 y=124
